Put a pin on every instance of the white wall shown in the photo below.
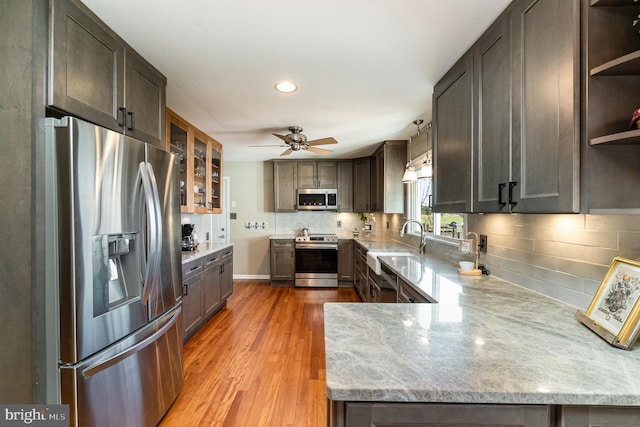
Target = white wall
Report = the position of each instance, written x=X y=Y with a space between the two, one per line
x=251 y=198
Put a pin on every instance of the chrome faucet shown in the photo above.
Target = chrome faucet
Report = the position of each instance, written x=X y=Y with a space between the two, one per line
x=423 y=240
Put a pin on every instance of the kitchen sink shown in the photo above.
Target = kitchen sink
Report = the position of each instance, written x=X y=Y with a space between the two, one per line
x=374 y=264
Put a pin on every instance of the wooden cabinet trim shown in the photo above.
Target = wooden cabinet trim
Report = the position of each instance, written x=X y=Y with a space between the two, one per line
x=214 y=201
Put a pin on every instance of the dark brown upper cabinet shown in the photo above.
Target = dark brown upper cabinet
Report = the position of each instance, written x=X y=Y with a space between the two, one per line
x=506 y=116
x=94 y=75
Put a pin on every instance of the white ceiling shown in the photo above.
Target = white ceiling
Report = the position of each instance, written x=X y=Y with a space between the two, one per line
x=366 y=68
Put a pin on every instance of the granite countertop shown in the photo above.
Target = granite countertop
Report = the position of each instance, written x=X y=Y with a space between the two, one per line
x=384 y=245
x=485 y=341
x=282 y=236
x=204 y=249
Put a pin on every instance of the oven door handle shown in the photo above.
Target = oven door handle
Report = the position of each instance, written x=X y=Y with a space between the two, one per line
x=316 y=246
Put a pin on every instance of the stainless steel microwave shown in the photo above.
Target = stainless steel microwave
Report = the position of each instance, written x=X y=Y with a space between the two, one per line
x=317 y=199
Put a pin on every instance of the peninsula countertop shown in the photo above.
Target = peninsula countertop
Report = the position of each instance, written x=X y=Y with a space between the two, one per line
x=485 y=341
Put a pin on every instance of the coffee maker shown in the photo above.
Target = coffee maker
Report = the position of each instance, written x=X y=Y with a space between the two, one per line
x=187 y=237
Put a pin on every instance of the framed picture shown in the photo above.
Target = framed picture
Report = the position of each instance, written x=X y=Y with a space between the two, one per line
x=615 y=309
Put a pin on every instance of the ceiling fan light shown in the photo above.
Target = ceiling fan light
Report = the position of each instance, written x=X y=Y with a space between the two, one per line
x=286 y=87
x=410 y=174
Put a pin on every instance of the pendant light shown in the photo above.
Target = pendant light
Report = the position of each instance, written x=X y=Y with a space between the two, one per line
x=426 y=170
x=410 y=174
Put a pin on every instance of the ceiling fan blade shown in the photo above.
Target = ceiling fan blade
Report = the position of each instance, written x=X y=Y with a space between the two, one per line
x=282 y=137
x=323 y=141
x=269 y=145
x=321 y=151
x=287 y=152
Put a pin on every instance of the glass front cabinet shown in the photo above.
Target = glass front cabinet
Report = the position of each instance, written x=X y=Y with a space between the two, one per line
x=200 y=158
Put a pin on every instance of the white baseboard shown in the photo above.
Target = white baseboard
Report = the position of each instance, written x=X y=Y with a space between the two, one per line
x=251 y=276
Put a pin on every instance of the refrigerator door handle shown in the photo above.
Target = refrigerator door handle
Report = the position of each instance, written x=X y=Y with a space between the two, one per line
x=156 y=254
x=102 y=365
x=152 y=221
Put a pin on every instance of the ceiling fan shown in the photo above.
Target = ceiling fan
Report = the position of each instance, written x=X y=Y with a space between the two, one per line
x=297 y=141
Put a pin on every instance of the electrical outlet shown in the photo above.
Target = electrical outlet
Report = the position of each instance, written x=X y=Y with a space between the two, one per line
x=339 y=223
x=483 y=243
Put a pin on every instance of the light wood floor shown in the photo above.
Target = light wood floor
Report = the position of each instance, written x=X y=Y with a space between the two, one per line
x=259 y=361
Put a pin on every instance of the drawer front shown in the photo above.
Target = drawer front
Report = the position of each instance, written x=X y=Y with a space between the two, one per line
x=282 y=244
x=192 y=268
x=212 y=260
x=409 y=294
x=226 y=253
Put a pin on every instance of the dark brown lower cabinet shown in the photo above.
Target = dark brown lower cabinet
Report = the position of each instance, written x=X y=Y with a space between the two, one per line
x=587 y=416
x=283 y=262
x=192 y=302
x=345 y=260
x=408 y=294
x=360 y=272
x=392 y=414
x=226 y=275
x=361 y=414
x=207 y=283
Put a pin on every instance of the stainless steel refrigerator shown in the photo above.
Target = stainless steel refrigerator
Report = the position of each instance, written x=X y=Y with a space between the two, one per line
x=113 y=260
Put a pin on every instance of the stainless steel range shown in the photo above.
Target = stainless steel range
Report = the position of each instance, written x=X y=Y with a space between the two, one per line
x=317 y=261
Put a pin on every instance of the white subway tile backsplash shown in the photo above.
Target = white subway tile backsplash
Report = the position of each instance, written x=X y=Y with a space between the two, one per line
x=536 y=232
x=565 y=280
x=603 y=239
x=561 y=222
x=557 y=249
x=619 y=223
x=577 y=299
x=591 y=286
x=630 y=243
x=318 y=222
x=563 y=256
x=602 y=256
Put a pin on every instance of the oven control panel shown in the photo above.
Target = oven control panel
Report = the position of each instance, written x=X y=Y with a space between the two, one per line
x=318 y=238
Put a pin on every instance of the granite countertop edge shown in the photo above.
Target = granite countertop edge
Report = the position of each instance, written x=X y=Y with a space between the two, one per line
x=203 y=250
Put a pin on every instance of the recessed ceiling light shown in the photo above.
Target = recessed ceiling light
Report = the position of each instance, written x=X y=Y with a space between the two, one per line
x=286 y=87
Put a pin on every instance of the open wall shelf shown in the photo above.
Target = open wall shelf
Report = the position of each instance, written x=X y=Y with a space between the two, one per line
x=628 y=137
